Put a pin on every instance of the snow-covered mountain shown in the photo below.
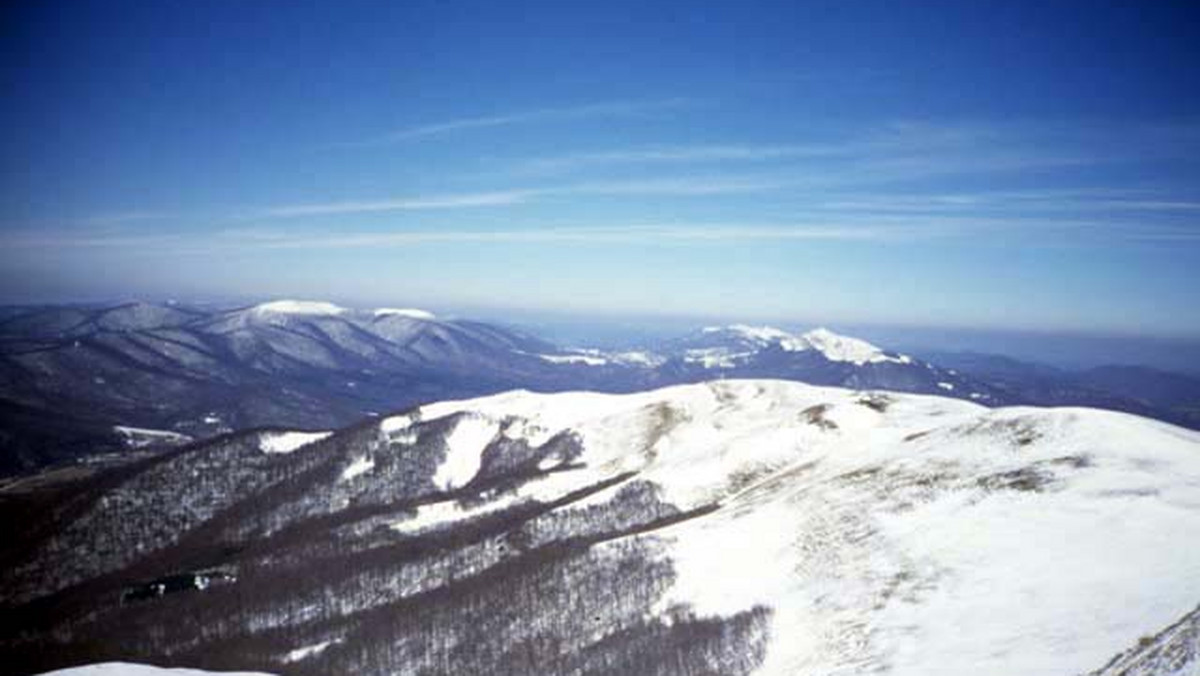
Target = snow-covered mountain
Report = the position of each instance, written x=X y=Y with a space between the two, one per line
x=202 y=372
x=70 y=376
x=819 y=357
x=732 y=527
x=725 y=346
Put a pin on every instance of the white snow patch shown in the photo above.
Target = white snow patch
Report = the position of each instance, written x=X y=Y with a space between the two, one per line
x=286 y=442
x=588 y=359
x=837 y=347
x=360 y=466
x=758 y=334
x=140 y=437
x=464 y=451
x=448 y=512
x=946 y=386
x=308 y=651
x=714 y=357
x=637 y=358
x=833 y=346
x=411 y=313
x=298 y=307
x=399 y=428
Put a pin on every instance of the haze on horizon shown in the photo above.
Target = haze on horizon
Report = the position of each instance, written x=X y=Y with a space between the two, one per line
x=992 y=165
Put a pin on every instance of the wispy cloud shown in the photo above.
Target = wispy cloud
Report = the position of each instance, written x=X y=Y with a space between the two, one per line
x=635 y=234
x=682 y=186
x=880 y=229
x=245 y=239
x=606 y=109
x=676 y=154
x=483 y=199
x=121 y=218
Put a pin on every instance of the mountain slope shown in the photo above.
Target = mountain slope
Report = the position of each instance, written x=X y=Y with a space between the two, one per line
x=731 y=527
x=1144 y=391
x=202 y=373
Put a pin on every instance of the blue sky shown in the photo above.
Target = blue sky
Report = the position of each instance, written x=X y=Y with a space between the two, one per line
x=991 y=165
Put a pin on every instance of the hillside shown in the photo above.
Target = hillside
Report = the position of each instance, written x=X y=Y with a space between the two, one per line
x=741 y=526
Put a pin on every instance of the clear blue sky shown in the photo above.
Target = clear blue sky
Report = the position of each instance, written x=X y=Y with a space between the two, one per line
x=1007 y=164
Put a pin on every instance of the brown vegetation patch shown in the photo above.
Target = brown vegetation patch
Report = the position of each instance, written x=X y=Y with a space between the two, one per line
x=815 y=415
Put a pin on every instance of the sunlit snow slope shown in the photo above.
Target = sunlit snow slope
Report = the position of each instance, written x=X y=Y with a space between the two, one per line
x=920 y=534
x=732 y=527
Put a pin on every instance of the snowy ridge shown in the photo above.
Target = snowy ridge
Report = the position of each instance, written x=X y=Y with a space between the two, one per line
x=286 y=442
x=140 y=437
x=734 y=527
x=890 y=532
x=411 y=313
x=832 y=346
x=299 y=307
x=1174 y=651
x=836 y=347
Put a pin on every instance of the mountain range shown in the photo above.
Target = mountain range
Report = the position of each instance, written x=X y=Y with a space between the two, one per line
x=94 y=382
x=729 y=527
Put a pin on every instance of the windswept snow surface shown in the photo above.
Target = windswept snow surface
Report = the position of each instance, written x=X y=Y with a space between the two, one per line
x=905 y=534
x=130 y=669
x=286 y=442
x=411 y=313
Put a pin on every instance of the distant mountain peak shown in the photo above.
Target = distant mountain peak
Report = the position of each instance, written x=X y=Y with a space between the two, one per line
x=833 y=346
x=299 y=307
x=411 y=313
x=837 y=347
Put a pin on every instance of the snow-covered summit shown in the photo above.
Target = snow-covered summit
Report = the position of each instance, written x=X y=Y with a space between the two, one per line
x=837 y=347
x=888 y=533
x=299 y=307
x=411 y=313
x=833 y=346
x=760 y=334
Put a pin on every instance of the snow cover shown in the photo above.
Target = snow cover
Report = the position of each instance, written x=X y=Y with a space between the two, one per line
x=714 y=357
x=396 y=423
x=916 y=535
x=761 y=334
x=593 y=357
x=448 y=512
x=464 y=451
x=411 y=313
x=286 y=442
x=833 y=346
x=837 y=347
x=360 y=466
x=637 y=358
x=299 y=307
x=131 y=669
x=140 y=437
x=590 y=360
x=307 y=651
